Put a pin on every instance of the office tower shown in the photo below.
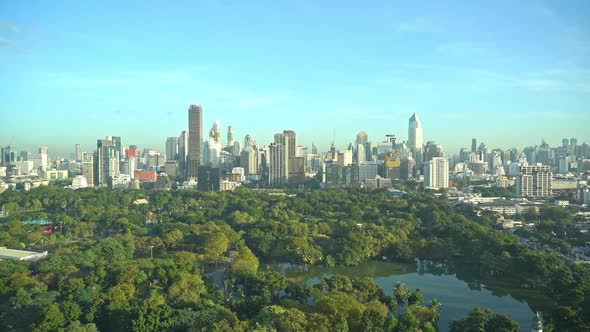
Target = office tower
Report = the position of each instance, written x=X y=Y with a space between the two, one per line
x=247 y=141
x=407 y=167
x=296 y=172
x=209 y=178
x=361 y=138
x=44 y=150
x=88 y=167
x=292 y=138
x=367 y=171
x=464 y=155
x=230 y=136
x=534 y=181
x=172 y=148
x=415 y=133
x=473 y=145
x=278 y=168
x=106 y=163
x=433 y=150
x=8 y=155
x=78 y=152
x=182 y=152
x=565 y=142
x=436 y=173
x=213 y=146
x=360 y=154
x=195 y=138
x=249 y=161
x=573 y=142
x=314 y=149
x=237 y=148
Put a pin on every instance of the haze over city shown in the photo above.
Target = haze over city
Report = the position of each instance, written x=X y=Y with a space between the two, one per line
x=507 y=73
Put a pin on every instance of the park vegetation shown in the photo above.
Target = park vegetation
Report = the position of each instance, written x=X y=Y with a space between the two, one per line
x=190 y=260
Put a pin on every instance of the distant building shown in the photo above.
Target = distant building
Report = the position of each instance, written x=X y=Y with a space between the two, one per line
x=209 y=178
x=341 y=176
x=163 y=182
x=143 y=175
x=53 y=175
x=534 y=181
x=195 y=139
x=377 y=183
x=278 y=168
x=436 y=173
x=172 y=148
x=79 y=182
x=88 y=167
x=106 y=162
x=415 y=133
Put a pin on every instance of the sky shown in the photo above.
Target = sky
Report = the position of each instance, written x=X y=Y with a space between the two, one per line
x=509 y=73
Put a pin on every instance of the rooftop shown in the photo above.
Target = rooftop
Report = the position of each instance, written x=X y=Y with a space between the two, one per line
x=20 y=255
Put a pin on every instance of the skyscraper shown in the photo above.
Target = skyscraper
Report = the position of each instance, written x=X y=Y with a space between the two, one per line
x=182 y=152
x=195 y=139
x=78 y=152
x=106 y=161
x=230 y=136
x=534 y=181
x=415 y=133
x=172 y=148
x=292 y=138
x=473 y=145
x=278 y=168
x=88 y=167
x=436 y=173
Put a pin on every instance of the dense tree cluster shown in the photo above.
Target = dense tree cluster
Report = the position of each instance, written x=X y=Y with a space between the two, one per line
x=207 y=274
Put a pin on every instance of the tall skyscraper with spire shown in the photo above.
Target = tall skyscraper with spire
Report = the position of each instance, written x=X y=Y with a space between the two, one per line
x=195 y=139
x=415 y=133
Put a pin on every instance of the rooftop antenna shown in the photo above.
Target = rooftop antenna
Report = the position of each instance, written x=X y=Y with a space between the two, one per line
x=333 y=148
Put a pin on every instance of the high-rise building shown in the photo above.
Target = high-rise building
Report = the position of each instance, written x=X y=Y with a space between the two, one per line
x=106 y=163
x=248 y=160
x=436 y=173
x=415 y=133
x=195 y=139
x=278 y=168
x=565 y=142
x=534 y=181
x=230 y=136
x=132 y=151
x=407 y=166
x=172 y=148
x=292 y=138
x=213 y=146
x=209 y=178
x=473 y=145
x=433 y=150
x=182 y=152
x=88 y=167
x=78 y=152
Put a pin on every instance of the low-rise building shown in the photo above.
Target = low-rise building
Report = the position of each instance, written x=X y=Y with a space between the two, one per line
x=21 y=255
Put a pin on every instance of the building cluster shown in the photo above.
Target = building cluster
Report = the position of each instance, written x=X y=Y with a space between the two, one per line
x=205 y=161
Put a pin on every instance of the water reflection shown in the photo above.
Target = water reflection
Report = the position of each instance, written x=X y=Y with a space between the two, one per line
x=459 y=288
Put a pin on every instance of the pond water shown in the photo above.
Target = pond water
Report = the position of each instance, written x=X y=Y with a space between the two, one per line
x=458 y=297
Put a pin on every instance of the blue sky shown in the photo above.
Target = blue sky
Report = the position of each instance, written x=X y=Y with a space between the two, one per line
x=506 y=72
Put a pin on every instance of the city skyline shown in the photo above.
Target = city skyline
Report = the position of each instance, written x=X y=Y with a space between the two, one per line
x=504 y=73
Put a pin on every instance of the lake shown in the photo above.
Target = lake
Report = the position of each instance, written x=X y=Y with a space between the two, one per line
x=458 y=297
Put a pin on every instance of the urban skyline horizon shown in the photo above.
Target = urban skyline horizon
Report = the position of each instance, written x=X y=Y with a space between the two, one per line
x=67 y=150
